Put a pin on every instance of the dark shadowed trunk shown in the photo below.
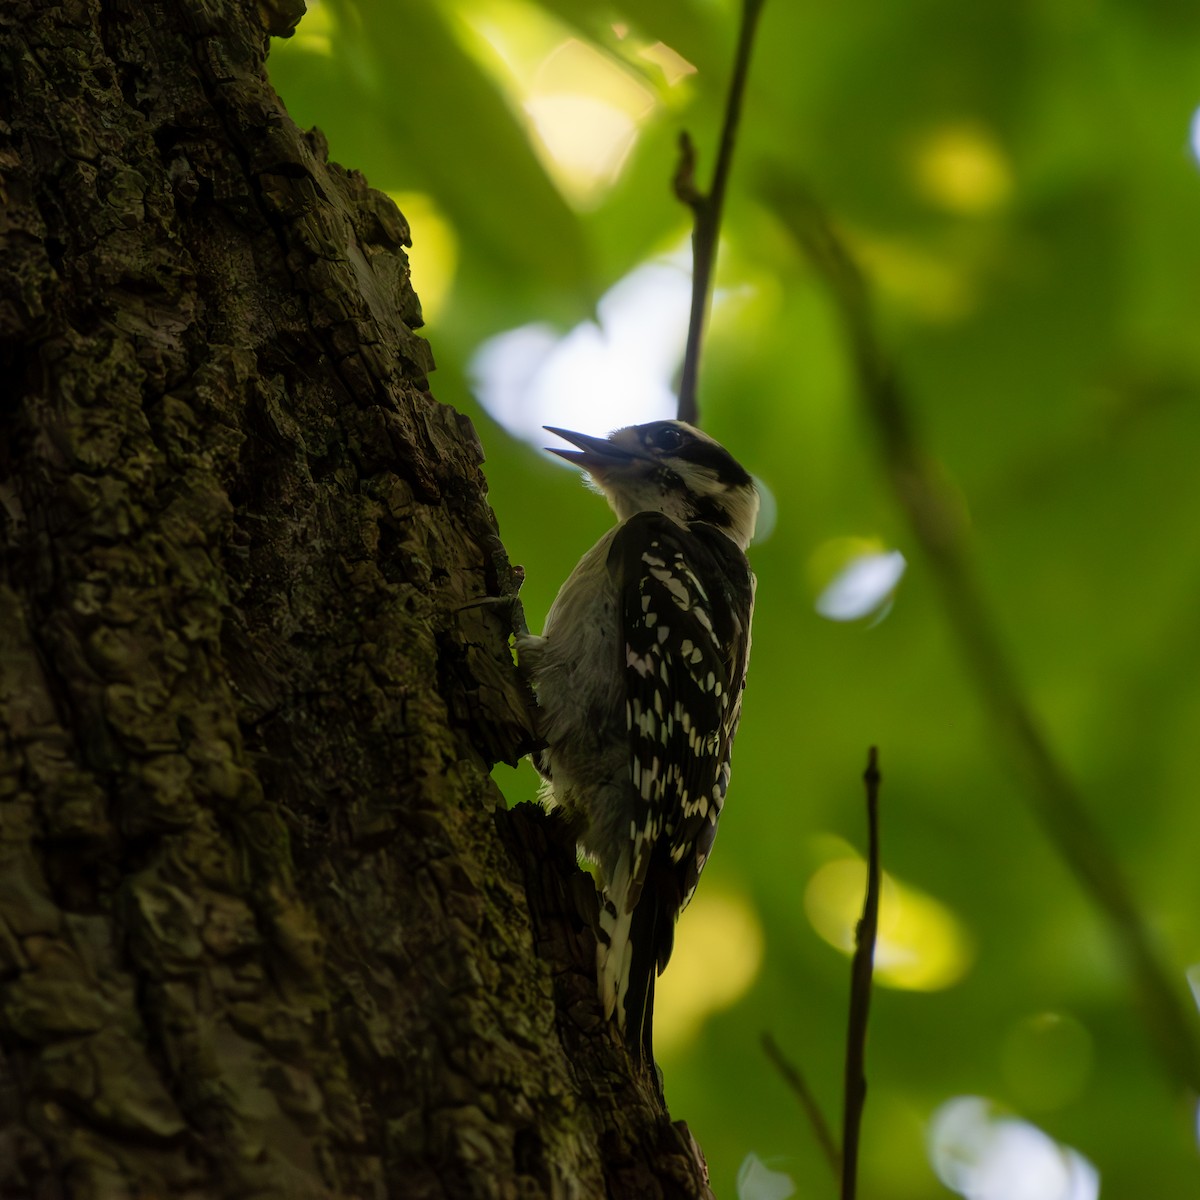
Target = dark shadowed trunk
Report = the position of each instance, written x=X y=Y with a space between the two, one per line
x=265 y=926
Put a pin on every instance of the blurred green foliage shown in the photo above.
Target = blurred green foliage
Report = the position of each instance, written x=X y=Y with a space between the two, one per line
x=1017 y=181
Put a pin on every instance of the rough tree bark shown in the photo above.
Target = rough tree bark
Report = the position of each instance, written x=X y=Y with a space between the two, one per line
x=265 y=926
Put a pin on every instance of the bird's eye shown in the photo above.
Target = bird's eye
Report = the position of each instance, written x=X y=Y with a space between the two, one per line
x=668 y=439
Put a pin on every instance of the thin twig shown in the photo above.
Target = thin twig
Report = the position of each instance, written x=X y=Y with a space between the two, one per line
x=808 y=1102
x=1056 y=800
x=855 y=1090
x=706 y=228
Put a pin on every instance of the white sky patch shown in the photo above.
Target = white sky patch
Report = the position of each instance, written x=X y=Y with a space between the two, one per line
x=863 y=586
x=1195 y=138
x=601 y=375
x=982 y=1155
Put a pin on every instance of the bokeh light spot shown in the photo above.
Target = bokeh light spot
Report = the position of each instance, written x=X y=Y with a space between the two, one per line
x=960 y=167
x=718 y=954
x=586 y=139
x=983 y=1155
x=768 y=513
x=670 y=62
x=757 y=1181
x=1192 y=974
x=856 y=577
x=316 y=32
x=933 y=287
x=433 y=256
x=583 y=107
x=597 y=377
x=920 y=946
x=586 y=110
x=1046 y=1059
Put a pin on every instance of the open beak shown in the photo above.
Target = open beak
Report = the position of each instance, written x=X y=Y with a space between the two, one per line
x=593 y=452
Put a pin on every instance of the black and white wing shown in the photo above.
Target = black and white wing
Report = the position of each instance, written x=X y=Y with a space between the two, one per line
x=685 y=597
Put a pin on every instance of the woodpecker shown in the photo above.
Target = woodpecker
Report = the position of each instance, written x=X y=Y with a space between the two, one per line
x=639 y=676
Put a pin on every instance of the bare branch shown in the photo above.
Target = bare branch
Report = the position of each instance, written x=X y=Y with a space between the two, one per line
x=808 y=1102
x=707 y=209
x=855 y=1091
x=684 y=181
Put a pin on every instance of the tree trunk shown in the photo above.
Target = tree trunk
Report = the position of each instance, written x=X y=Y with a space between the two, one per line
x=265 y=926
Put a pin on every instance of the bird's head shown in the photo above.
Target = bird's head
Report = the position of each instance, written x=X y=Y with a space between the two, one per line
x=668 y=467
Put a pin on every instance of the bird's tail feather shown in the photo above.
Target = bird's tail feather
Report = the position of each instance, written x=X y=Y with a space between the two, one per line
x=633 y=948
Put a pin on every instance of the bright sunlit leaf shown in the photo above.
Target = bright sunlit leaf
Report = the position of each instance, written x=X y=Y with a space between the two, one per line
x=585 y=138
x=672 y=64
x=584 y=107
